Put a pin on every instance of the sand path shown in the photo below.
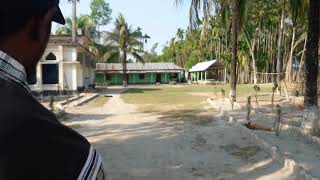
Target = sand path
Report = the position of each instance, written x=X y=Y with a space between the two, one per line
x=140 y=146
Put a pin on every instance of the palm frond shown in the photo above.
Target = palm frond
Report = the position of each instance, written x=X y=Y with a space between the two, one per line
x=138 y=57
x=298 y=9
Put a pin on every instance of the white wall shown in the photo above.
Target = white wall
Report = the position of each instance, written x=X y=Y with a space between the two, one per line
x=69 y=54
x=56 y=50
x=92 y=75
x=80 y=77
x=70 y=77
x=72 y=74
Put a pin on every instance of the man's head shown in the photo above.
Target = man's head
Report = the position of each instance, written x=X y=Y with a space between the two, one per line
x=26 y=27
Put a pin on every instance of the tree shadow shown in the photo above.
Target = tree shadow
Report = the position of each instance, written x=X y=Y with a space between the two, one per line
x=72 y=117
x=141 y=90
x=155 y=137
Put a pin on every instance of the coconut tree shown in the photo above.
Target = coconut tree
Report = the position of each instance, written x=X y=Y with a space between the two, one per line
x=128 y=41
x=65 y=29
x=238 y=9
x=84 y=24
x=107 y=53
x=312 y=65
x=74 y=19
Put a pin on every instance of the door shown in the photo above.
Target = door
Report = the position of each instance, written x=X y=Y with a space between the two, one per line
x=158 y=79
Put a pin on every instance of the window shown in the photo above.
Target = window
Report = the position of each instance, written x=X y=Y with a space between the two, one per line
x=50 y=73
x=51 y=57
x=141 y=76
x=108 y=77
x=173 y=76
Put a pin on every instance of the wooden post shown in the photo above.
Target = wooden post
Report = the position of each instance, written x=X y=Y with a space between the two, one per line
x=249 y=108
x=201 y=74
x=191 y=76
x=151 y=76
x=278 y=121
x=116 y=78
x=179 y=77
x=205 y=77
x=225 y=75
x=165 y=77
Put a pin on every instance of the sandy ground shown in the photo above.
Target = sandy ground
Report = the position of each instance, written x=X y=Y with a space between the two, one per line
x=293 y=146
x=136 y=145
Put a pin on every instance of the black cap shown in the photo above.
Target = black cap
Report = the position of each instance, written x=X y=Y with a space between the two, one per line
x=36 y=4
x=59 y=17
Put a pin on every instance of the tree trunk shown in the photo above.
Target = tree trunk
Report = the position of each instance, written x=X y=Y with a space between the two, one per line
x=301 y=66
x=279 y=59
x=289 y=73
x=254 y=66
x=124 y=64
x=74 y=20
x=234 y=39
x=311 y=114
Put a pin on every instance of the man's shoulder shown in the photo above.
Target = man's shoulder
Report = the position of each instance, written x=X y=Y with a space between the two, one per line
x=17 y=103
x=32 y=136
x=13 y=94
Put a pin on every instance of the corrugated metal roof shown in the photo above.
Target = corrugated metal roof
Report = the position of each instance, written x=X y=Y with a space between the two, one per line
x=203 y=66
x=138 y=67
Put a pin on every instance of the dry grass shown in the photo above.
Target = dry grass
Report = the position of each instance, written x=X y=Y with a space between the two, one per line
x=183 y=103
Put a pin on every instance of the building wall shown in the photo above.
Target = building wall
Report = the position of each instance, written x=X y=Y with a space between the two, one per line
x=149 y=78
x=81 y=75
x=74 y=73
x=69 y=54
x=116 y=79
x=70 y=77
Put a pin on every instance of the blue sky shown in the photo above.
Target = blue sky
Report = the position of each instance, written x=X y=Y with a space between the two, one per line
x=158 y=18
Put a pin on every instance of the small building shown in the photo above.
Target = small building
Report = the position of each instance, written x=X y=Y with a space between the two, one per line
x=138 y=73
x=209 y=72
x=65 y=66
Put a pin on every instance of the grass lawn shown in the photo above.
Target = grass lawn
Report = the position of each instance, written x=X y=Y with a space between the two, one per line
x=184 y=102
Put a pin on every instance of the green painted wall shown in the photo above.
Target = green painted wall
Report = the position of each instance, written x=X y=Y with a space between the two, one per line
x=149 y=78
x=115 y=79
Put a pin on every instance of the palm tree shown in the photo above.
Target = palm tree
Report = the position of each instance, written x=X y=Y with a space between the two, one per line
x=312 y=65
x=234 y=49
x=74 y=19
x=84 y=24
x=128 y=41
x=238 y=13
x=65 y=29
x=108 y=53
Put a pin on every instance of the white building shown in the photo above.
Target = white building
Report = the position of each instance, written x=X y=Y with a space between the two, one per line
x=65 y=66
x=208 y=72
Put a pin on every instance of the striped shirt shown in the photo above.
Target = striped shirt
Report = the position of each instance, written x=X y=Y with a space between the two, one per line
x=11 y=70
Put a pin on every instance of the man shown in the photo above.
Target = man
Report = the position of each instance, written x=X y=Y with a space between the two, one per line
x=34 y=145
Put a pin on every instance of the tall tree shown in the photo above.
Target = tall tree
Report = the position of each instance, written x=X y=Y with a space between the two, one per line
x=65 y=29
x=311 y=114
x=84 y=24
x=128 y=41
x=74 y=19
x=238 y=10
x=234 y=50
x=101 y=14
x=279 y=51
